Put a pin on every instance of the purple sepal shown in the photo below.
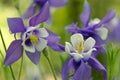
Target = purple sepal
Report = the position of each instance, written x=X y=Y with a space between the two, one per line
x=34 y=57
x=13 y=53
x=30 y=11
x=110 y=15
x=73 y=28
x=53 y=40
x=83 y=72
x=42 y=16
x=52 y=37
x=57 y=47
x=16 y=25
x=57 y=3
x=67 y=67
x=97 y=65
x=85 y=16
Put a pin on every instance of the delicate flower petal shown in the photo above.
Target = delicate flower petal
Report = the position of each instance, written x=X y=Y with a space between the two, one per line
x=89 y=43
x=34 y=57
x=57 y=47
x=110 y=15
x=88 y=54
x=102 y=32
x=94 y=22
x=73 y=28
x=85 y=16
x=57 y=3
x=40 y=17
x=67 y=67
x=41 y=44
x=68 y=47
x=16 y=25
x=29 y=48
x=14 y=52
x=30 y=11
x=32 y=28
x=24 y=36
x=43 y=32
x=97 y=65
x=76 y=39
x=83 y=72
x=52 y=38
x=77 y=57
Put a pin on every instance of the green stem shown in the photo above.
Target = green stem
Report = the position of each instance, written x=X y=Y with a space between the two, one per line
x=3 y=40
x=12 y=73
x=6 y=51
x=20 y=68
x=45 y=52
x=1 y=54
x=110 y=73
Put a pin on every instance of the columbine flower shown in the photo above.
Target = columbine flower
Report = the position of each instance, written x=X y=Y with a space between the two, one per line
x=43 y=6
x=80 y=48
x=93 y=28
x=33 y=40
x=80 y=52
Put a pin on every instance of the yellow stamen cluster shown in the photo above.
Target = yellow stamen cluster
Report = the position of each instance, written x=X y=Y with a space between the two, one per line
x=33 y=38
x=80 y=47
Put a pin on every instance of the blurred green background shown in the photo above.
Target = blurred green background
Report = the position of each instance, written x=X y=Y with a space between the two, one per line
x=61 y=17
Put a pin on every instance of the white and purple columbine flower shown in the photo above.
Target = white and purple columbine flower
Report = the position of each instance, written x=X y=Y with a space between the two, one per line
x=33 y=40
x=81 y=59
x=94 y=28
x=43 y=7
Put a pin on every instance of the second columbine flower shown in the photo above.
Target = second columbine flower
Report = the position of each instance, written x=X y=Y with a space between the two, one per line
x=78 y=66
x=80 y=49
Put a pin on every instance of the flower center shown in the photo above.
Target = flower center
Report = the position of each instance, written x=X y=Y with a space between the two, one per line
x=33 y=38
x=80 y=47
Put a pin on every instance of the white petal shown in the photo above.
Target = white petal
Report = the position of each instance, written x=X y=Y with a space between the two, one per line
x=102 y=32
x=76 y=56
x=94 y=21
x=23 y=36
x=68 y=47
x=41 y=44
x=43 y=32
x=76 y=39
x=29 y=48
x=31 y=28
x=89 y=43
x=88 y=54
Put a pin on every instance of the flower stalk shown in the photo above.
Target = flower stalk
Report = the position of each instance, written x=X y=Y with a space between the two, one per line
x=1 y=54
x=12 y=73
x=20 y=68
x=45 y=52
